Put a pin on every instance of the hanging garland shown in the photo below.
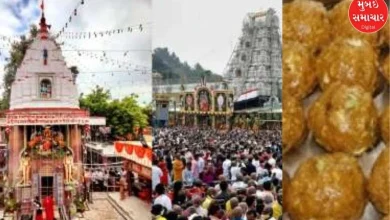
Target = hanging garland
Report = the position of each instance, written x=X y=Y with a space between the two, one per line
x=75 y=10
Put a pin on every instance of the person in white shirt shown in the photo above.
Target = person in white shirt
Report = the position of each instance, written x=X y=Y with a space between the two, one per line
x=240 y=162
x=256 y=162
x=277 y=172
x=226 y=166
x=94 y=176
x=105 y=178
x=188 y=156
x=156 y=174
x=161 y=198
x=234 y=171
x=239 y=184
x=201 y=163
x=272 y=161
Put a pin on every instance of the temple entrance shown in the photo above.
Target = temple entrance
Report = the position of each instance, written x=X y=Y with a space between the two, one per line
x=204 y=121
x=47 y=185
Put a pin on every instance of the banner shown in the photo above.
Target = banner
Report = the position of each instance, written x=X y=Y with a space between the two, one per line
x=77 y=117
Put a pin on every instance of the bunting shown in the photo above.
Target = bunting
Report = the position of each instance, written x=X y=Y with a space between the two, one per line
x=99 y=34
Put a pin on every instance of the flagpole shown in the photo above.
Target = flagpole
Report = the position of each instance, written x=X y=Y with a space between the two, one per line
x=43 y=6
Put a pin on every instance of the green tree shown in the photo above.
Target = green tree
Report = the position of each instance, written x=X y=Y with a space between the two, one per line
x=97 y=102
x=148 y=111
x=121 y=115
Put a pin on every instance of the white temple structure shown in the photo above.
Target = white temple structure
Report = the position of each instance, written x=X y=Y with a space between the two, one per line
x=43 y=81
x=255 y=64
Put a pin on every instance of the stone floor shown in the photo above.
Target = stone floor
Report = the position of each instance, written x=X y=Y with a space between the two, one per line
x=135 y=207
x=102 y=209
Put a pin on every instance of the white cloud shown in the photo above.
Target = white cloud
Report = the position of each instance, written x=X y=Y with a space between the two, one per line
x=203 y=31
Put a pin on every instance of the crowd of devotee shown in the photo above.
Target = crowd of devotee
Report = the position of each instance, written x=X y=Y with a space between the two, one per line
x=212 y=174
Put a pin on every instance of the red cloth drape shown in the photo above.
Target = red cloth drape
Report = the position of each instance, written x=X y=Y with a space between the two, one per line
x=48 y=203
x=139 y=151
x=129 y=149
x=119 y=147
x=149 y=154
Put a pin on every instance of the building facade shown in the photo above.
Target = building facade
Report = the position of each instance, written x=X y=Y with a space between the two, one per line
x=170 y=106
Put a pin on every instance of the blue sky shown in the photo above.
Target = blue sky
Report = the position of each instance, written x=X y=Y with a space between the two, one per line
x=25 y=12
x=16 y=16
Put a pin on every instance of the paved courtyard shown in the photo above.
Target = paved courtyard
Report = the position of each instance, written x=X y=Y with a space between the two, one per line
x=134 y=207
x=108 y=207
x=101 y=209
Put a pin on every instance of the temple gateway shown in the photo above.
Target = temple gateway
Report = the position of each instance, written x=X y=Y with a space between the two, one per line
x=44 y=126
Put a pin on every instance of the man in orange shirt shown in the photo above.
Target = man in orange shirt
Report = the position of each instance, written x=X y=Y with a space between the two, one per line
x=177 y=168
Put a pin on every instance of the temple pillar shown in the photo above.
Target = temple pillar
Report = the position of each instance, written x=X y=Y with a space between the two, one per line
x=75 y=135
x=15 y=146
x=213 y=121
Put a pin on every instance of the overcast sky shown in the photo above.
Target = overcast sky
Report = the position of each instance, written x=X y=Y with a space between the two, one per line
x=95 y=15
x=203 y=31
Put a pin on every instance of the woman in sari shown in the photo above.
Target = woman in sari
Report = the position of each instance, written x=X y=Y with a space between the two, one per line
x=164 y=169
x=178 y=167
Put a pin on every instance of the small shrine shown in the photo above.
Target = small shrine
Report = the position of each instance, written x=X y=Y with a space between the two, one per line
x=206 y=107
x=44 y=126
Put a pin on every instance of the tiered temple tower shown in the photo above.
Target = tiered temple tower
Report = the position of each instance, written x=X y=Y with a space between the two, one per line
x=255 y=63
